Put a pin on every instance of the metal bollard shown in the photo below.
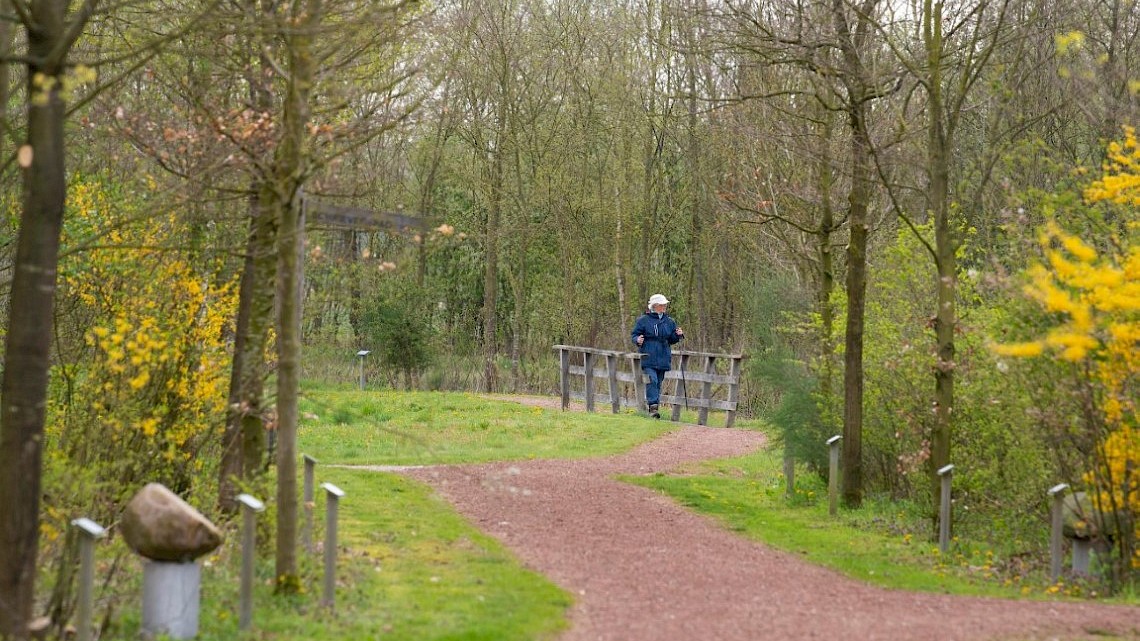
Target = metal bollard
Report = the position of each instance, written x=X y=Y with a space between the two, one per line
x=1056 y=552
x=250 y=508
x=833 y=475
x=789 y=474
x=307 y=527
x=361 y=354
x=331 y=501
x=89 y=532
x=946 y=473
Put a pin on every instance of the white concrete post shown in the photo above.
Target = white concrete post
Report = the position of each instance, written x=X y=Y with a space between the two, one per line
x=89 y=532
x=1056 y=551
x=307 y=502
x=946 y=473
x=331 y=501
x=250 y=508
x=833 y=475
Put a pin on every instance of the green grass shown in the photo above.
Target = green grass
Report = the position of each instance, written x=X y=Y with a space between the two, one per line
x=408 y=569
x=422 y=428
x=411 y=569
x=879 y=543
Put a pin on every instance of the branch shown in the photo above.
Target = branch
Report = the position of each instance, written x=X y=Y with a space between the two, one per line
x=898 y=209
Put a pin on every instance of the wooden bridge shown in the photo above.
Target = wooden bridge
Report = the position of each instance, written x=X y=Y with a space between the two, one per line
x=700 y=380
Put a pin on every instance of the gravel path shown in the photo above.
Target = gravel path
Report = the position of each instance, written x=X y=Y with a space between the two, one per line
x=644 y=569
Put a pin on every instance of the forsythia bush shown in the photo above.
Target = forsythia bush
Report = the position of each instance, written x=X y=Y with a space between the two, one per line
x=1095 y=297
x=140 y=394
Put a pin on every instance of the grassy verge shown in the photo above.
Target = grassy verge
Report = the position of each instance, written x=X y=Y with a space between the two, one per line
x=420 y=428
x=409 y=568
x=882 y=543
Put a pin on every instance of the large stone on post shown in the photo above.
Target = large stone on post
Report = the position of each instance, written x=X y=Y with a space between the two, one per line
x=170 y=534
x=162 y=527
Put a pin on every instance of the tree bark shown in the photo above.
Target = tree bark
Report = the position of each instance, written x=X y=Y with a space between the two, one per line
x=27 y=346
x=858 y=96
x=291 y=169
x=491 y=246
x=856 y=284
x=244 y=439
x=945 y=320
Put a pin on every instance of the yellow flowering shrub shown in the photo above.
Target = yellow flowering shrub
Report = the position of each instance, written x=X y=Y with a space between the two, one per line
x=140 y=392
x=1095 y=297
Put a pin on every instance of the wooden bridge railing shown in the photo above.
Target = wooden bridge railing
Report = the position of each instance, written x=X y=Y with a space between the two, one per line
x=697 y=383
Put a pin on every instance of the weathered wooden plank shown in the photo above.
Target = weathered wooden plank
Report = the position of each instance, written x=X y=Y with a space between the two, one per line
x=716 y=404
x=599 y=352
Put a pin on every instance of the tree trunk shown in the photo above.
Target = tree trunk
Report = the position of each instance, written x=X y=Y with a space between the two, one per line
x=5 y=53
x=491 y=249
x=826 y=265
x=27 y=347
x=945 y=321
x=290 y=171
x=697 y=300
x=262 y=301
x=243 y=442
x=858 y=201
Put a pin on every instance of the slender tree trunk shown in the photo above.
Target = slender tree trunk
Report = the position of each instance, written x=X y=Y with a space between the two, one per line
x=27 y=346
x=826 y=265
x=290 y=172
x=5 y=76
x=491 y=248
x=945 y=320
x=355 y=292
x=244 y=439
x=858 y=202
x=697 y=201
x=259 y=287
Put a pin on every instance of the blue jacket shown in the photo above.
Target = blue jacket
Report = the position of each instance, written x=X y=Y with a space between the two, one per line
x=660 y=331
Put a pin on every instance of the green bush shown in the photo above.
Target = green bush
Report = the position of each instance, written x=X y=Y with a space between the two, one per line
x=400 y=336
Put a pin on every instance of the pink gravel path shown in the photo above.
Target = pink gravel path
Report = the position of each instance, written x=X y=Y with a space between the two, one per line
x=642 y=568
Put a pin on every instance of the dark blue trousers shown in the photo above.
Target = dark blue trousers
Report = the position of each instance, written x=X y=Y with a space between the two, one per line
x=653 y=387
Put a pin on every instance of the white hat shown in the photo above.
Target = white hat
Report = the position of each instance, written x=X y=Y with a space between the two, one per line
x=658 y=299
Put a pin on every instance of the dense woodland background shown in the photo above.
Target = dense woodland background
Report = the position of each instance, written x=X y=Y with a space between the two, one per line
x=852 y=193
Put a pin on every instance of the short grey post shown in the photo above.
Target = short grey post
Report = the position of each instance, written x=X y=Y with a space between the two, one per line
x=331 y=500
x=611 y=371
x=307 y=500
x=588 y=361
x=733 y=390
x=89 y=532
x=833 y=475
x=1056 y=552
x=1082 y=550
x=946 y=473
x=249 y=508
x=789 y=473
x=361 y=354
x=564 y=375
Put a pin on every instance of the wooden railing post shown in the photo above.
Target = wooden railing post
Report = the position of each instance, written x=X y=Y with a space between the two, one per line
x=611 y=373
x=733 y=390
x=638 y=379
x=706 y=392
x=588 y=359
x=680 y=388
x=564 y=376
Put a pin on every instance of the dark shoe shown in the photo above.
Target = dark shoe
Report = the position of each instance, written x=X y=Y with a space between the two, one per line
x=653 y=411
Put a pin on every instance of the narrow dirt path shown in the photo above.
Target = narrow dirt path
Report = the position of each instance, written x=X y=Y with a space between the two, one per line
x=644 y=569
